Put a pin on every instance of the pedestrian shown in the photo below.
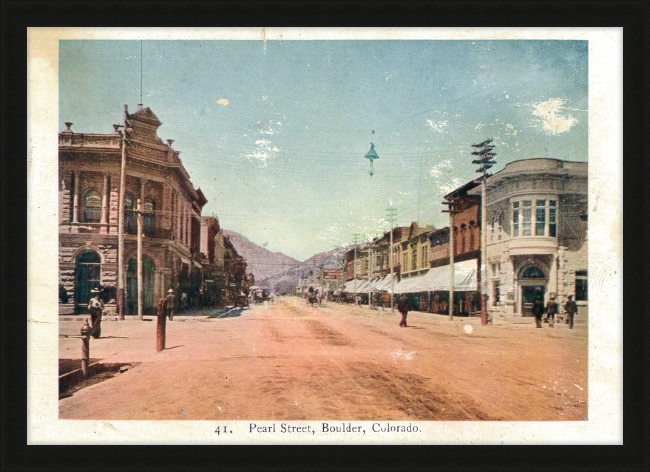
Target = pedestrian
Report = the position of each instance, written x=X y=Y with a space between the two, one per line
x=538 y=311
x=404 y=306
x=184 y=301
x=571 y=308
x=96 y=307
x=551 y=311
x=171 y=303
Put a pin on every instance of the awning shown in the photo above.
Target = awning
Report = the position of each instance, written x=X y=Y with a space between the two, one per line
x=363 y=287
x=410 y=285
x=385 y=284
x=348 y=287
x=465 y=277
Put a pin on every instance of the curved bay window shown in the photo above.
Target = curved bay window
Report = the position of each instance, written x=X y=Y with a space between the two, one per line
x=149 y=217
x=92 y=206
x=534 y=218
x=129 y=214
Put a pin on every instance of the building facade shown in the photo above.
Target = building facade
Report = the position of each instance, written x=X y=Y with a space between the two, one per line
x=415 y=245
x=536 y=213
x=158 y=184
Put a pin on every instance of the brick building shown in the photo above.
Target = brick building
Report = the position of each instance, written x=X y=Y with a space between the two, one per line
x=89 y=187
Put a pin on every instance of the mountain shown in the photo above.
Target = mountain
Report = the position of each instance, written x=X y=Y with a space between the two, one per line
x=261 y=262
x=283 y=281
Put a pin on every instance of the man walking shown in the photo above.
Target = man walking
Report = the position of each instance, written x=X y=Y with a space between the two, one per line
x=551 y=311
x=171 y=302
x=404 y=306
x=96 y=307
x=538 y=311
x=571 y=308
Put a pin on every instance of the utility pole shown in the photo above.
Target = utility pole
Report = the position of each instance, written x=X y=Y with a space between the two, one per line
x=369 y=277
x=139 y=261
x=485 y=162
x=120 y=221
x=452 y=211
x=356 y=241
x=419 y=189
x=391 y=217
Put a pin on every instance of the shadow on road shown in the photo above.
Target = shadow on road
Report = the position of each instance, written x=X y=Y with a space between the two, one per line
x=174 y=347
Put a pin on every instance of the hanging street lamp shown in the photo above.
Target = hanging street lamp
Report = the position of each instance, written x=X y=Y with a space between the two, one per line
x=371 y=155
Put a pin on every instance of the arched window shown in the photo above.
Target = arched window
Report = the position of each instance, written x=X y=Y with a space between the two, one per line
x=92 y=206
x=471 y=237
x=462 y=238
x=532 y=272
x=129 y=214
x=149 y=217
x=492 y=228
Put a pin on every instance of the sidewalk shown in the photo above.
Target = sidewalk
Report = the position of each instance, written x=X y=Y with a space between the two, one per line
x=128 y=340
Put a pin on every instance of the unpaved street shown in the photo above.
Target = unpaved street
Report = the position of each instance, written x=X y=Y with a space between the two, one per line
x=288 y=361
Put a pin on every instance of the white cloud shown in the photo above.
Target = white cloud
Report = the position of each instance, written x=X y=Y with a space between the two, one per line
x=552 y=119
x=438 y=126
x=223 y=101
x=451 y=185
x=436 y=171
x=264 y=150
x=512 y=131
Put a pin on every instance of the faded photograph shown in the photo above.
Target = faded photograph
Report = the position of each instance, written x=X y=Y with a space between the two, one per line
x=338 y=231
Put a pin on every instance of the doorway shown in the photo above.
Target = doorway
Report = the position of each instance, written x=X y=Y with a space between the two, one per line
x=529 y=295
x=88 y=276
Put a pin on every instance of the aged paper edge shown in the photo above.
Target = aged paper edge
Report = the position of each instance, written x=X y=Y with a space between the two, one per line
x=605 y=235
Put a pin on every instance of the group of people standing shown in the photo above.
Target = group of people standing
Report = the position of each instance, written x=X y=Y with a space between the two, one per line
x=551 y=310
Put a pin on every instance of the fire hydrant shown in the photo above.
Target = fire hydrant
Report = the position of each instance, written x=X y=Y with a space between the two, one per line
x=85 y=347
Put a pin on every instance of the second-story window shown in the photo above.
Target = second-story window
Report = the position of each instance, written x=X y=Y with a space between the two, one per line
x=500 y=226
x=129 y=214
x=425 y=251
x=414 y=258
x=149 y=217
x=535 y=218
x=92 y=206
x=526 y=218
x=472 y=230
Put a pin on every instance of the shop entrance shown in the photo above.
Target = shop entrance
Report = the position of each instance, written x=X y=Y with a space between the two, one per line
x=529 y=295
x=88 y=274
x=533 y=288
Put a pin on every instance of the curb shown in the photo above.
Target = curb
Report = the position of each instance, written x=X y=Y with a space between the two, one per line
x=75 y=377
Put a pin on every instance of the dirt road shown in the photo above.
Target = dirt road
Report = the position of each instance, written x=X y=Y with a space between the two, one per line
x=288 y=361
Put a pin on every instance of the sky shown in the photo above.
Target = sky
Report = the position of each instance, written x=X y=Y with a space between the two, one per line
x=275 y=132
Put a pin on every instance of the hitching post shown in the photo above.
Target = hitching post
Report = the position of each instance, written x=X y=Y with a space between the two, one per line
x=85 y=348
x=160 y=329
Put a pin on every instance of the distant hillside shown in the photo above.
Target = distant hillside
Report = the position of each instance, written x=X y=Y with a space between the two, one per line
x=261 y=262
x=284 y=280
